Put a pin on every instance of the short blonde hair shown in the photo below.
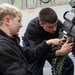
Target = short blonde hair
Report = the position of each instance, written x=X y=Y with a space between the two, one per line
x=8 y=9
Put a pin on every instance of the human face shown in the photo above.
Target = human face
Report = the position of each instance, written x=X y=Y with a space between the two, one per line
x=50 y=28
x=15 y=25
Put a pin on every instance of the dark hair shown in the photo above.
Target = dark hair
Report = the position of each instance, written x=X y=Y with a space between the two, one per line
x=47 y=15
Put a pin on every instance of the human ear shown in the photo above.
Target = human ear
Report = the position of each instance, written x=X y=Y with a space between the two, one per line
x=41 y=24
x=7 y=20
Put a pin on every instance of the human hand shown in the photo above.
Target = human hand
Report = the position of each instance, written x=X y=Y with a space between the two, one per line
x=55 y=41
x=65 y=49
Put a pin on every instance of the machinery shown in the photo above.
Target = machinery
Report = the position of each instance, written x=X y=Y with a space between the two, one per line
x=68 y=32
